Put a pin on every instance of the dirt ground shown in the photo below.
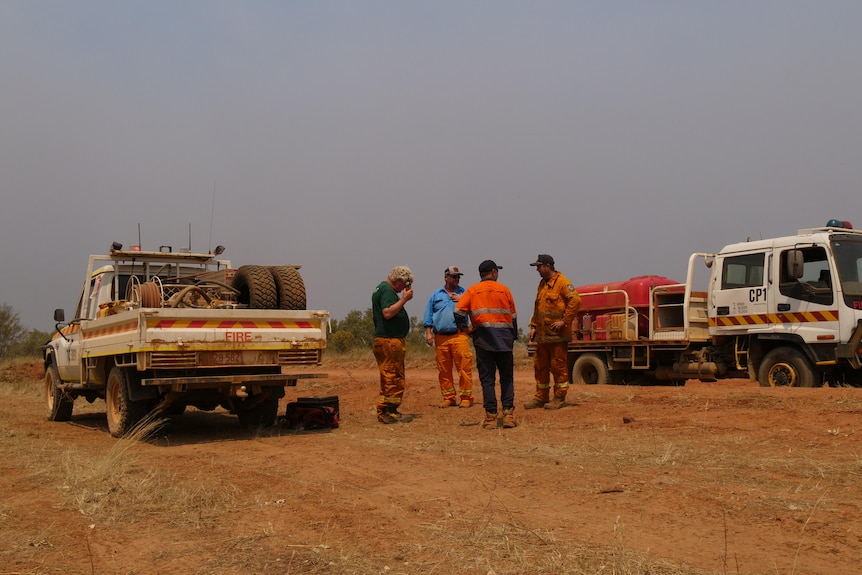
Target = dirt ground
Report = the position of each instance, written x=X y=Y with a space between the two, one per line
x=721 y=477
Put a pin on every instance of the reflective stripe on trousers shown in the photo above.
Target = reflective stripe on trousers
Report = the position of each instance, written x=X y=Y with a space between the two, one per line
x=454 y=350
x=550 y=358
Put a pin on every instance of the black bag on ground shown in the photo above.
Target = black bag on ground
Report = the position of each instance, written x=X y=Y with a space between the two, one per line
x=312 y=413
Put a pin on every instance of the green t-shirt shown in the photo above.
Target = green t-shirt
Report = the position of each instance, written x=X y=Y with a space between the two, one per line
x=383 y=297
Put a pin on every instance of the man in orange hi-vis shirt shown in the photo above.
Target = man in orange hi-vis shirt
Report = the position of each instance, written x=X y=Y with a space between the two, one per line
x=491 y=310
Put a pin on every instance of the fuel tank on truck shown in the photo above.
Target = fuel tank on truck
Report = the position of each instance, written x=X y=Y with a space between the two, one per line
x=610 y=297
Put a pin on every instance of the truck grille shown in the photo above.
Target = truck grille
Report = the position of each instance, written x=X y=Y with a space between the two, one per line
x=190 y=360
x=173 y=360
x=298 y=356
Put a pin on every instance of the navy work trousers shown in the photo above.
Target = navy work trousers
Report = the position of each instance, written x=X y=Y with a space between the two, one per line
x=488 y=363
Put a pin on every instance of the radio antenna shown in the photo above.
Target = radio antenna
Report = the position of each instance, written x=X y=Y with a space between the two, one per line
x=190 y=237
x=212 y=217
x=139 y=236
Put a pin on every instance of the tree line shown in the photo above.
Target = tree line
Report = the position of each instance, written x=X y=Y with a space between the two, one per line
x=15 y=341
x=356 y=331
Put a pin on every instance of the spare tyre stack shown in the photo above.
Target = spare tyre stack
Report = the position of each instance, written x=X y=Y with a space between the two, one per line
x=270 y=287
x=256 y=287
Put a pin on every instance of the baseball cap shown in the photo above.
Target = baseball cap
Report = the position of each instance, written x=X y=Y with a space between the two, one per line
x=453 y=271
x=543 y=259
x=487 y=266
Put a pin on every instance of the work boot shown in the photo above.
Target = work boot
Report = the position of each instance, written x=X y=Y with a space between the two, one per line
x=490 y=420
x=534 y=403
x=448 y=402
x=556 y=403
x=509 y=419
x=386 y=418
x=466 y=403
x=401 y=417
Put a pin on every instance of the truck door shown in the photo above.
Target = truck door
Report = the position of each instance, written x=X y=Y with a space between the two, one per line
x=804 y=302
x=69 y=347
x=739 y=294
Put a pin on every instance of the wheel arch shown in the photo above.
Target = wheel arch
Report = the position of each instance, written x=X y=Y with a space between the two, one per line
x=789 y=365
x=48 y=358
x=762 y=344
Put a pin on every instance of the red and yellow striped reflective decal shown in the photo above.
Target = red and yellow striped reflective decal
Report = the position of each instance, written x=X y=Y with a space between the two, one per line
x=112 y=330
x=771 y=318
x=68 y=330
x=222 y=324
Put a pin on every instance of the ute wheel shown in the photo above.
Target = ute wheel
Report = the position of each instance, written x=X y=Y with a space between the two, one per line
x=264 y=414
x=289 y=287
x=122 y=413
x=785 y=367
x=256 y=287
x=59 y=405
x=590 y=369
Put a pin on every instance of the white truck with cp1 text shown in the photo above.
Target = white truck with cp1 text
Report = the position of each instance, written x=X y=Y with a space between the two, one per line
x=785 y=311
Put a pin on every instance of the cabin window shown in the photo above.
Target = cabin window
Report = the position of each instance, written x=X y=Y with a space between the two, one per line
x=742 y=271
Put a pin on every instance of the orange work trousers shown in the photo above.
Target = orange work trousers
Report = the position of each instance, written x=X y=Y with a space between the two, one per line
x=454 y=351
x=550 y=358
x=389 y=353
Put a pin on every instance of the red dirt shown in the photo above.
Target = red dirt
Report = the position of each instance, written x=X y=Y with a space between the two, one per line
x=723 y=477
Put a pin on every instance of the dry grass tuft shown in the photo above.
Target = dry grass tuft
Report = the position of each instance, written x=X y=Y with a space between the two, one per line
x=113 y=486
x=492 y=543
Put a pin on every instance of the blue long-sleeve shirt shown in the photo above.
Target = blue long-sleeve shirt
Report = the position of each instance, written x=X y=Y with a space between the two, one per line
x=439 y=314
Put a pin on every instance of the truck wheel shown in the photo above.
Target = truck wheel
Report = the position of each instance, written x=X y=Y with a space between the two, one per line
x=256 y=287
x=590 y=369
x=785 y=366
x=289 y=287
x=58 y=403
x=122 y=413
x=263 y=414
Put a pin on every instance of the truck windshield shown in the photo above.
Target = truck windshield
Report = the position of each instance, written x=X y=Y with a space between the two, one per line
x=848 y=258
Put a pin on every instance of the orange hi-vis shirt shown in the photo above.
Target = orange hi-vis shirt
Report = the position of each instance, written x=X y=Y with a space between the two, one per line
x=491 y=309
x=556 y=299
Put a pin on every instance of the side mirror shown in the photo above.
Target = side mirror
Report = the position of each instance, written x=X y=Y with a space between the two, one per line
x=795 y=264
x=59 y=315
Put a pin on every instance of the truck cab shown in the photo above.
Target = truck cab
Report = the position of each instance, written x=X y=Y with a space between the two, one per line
x=794 y=304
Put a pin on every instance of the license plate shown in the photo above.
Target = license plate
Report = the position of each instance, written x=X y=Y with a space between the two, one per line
x=220 y=358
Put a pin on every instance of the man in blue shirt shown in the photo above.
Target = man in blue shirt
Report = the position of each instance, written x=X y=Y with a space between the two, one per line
x=453 y=345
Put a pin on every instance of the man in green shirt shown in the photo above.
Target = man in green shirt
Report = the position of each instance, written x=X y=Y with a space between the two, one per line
x=391 y=325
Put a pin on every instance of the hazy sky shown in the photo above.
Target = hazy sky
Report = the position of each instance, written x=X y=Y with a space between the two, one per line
x=349 y=137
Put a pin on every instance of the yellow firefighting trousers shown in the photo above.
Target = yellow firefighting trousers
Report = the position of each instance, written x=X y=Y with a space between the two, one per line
x=550 y=358
x=454 y=351
x=389 y=353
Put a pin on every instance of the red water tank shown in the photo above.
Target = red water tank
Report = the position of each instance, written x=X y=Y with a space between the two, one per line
x=607 y=297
